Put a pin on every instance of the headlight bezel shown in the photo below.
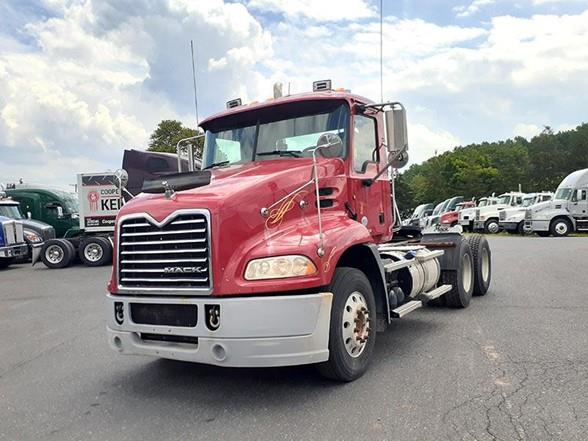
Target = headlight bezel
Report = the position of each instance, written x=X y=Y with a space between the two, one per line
x=32 y=236
x=279 y=267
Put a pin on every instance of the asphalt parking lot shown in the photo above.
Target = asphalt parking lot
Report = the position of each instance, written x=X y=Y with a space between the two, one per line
x=513 y=366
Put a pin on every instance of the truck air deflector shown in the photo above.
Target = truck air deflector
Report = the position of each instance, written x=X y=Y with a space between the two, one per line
x=177 y=181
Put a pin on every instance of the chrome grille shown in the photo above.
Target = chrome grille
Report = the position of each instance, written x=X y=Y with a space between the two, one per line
x=502 y=215
x=477 y=214
x=528 y=214
x=9 y=228
x=167 y=258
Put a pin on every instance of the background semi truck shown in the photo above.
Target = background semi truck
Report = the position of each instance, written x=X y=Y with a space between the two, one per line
x=566 y=213
x=83 y=229
x=487 y=218
x=512 y=220
x=35 y=232
x=12 y=243
x=278 y=252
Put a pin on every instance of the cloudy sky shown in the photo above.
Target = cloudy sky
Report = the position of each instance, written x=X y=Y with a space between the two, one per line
x=82 y=80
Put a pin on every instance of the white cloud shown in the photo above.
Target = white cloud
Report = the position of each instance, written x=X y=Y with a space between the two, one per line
x=425 y=143
x=472 y=8
x=319 y=10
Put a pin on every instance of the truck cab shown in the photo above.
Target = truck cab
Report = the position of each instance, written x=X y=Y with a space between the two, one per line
x=566 y=213
x=35 y=232
x=487 y=218
x=467 y=215
x=420 y=212
x=12 y=243
x=51 y=206
x=278 y=252
x=512 y=220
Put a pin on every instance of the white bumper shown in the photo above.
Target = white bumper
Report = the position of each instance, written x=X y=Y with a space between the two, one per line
x=256 y=331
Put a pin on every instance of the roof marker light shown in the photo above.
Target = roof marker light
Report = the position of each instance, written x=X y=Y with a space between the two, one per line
x=319 y=86
x=234 y=103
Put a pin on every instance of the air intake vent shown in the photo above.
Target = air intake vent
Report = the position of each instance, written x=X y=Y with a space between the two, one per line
x=319 y=86
x=168 y=258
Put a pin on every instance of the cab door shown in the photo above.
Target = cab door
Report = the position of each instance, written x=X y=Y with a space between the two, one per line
x=371 y=204
x=579 y=205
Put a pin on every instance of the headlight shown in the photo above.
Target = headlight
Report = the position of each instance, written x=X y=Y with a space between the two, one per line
x=32 y=236
x=279 y=267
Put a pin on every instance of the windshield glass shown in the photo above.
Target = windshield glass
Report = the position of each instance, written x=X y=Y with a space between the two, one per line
x=284 y=132
x=438 y=208
x=11 y=211
x=529 y=201
x=70 y=203
x=483 y=203
x=504 y=200
x=563 y=193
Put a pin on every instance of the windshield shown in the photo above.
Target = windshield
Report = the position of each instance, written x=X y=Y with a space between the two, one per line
x=11 y=211
x=483 y=203
x=287 y=132
x=504 y=200
x=453 y=203
x=529 y=201
x=438 y=208
x=563 y=193
x=70 y=203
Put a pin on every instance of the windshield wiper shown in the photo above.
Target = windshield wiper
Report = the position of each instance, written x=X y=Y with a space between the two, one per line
x=216 y=164
x=293 y=153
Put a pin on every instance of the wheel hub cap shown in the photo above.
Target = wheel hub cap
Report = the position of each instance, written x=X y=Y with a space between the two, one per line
x=93 y=252
x=54 y=254
x=356 y=324
x=561 y=228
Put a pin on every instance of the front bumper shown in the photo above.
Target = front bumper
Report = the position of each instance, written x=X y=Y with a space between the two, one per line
x=14 y=251
x=479 y=225
x=258 y=331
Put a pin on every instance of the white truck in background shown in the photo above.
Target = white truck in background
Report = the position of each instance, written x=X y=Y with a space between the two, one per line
x=512 y=220
x=486 y=218
x=466 y=216
x=566 y=213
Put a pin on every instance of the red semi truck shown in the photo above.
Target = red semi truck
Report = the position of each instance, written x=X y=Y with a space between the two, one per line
x=279 y=251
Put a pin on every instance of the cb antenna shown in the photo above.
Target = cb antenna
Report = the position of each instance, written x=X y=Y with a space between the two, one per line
x=194 y=81
x=381 y=53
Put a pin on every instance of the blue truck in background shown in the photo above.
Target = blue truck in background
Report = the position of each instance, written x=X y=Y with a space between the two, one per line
x=12 y=242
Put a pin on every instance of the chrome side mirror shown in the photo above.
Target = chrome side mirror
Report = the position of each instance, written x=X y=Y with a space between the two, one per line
x=122 y=177
x=397 y=136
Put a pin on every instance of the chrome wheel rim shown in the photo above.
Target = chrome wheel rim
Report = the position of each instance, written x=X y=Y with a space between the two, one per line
x=356 y=324
x=561 y=228
x=54 y=254
x=466 y=272
x=93 y=252
x=485 y=264
x=493 y=227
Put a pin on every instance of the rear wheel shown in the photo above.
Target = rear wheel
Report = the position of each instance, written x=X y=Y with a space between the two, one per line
x=462 y=280
x=95 y=251
x=481 y=258
x=57 y=253
x=560 y=227
x=352 y=332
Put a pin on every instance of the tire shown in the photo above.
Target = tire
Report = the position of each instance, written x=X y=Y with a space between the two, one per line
x=560 y=227
x=462 y=280
x=350 y=288
x=5 y=263
x=521 y=228
x=482 y=259
x=95 y=251
x=542 y=233
x=491 y=226
x=57 y=253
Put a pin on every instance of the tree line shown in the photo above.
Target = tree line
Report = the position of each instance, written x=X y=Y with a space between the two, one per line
x=478 y=170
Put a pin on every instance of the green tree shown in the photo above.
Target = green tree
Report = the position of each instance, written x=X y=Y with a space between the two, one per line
x=167 y=134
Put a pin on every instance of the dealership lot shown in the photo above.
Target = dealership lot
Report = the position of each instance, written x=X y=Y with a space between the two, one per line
x=514 y=365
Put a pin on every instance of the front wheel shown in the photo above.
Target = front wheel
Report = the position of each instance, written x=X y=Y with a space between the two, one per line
x=491 y=226
x=57 y=253
x=352 y=332
x=560 y=227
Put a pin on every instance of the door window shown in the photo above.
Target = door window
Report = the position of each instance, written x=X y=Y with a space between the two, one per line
x=364 y=142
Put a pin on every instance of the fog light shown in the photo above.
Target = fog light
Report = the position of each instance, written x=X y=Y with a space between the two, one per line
x=119 y=313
